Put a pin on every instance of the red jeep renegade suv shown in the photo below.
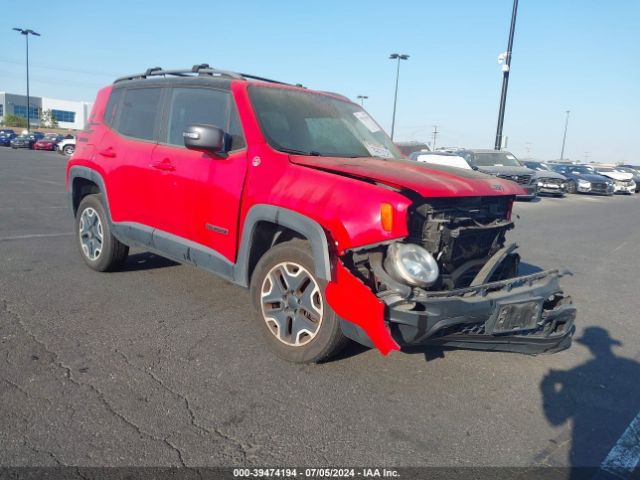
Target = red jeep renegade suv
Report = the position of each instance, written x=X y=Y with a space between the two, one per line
x=300 y=196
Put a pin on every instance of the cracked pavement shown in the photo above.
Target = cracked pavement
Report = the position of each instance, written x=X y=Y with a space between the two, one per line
x=162 y=364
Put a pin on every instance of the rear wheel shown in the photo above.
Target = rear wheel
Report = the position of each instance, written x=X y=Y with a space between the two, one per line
x=571 y=187
x=99 y=248
x=68 y=149
x=293 y=314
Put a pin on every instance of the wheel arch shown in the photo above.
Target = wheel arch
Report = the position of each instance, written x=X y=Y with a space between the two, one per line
x=84 y=181
x=268 y=225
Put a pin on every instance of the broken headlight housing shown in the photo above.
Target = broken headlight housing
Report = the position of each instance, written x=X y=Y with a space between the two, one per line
x=411 y=264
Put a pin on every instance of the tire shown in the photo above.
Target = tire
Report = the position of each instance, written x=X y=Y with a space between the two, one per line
x=101 y=254
x=286 y=276
x=572 y=188
x=69 y=149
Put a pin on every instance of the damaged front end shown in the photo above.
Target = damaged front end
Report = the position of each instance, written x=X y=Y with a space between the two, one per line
x=453 y=282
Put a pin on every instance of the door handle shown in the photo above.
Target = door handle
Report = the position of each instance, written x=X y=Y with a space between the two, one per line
x=164 y=165
x=107 y=152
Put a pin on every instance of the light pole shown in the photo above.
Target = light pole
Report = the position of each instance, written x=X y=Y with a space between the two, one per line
x=362 y=98
x=26 y=33
x=564 y=138
x=506 y=57
x=396 y=56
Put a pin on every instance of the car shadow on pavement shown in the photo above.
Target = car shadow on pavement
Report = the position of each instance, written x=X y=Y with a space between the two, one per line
x=600 y=399
x=145 y=261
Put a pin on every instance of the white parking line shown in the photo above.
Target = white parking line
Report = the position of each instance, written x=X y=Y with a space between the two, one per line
x=624 y=457
x=34 y=235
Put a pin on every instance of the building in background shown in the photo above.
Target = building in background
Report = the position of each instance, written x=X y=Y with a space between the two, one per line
x=68 y=114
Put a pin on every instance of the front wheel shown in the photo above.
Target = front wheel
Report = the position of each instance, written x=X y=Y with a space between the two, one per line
x=572 y=188
x=99 y=248
x=296 y=321
x=68 y=150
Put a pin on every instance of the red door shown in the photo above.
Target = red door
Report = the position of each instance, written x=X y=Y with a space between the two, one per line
x=126 y=154
x=200 y=193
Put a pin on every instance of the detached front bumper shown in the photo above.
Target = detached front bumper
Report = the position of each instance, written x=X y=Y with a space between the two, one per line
x=527 y=314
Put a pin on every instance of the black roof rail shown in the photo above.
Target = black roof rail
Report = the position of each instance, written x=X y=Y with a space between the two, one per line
x=199 y=70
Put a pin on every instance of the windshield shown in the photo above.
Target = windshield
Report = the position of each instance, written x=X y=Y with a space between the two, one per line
x=536 y=166
x=495 y=159
x=583 y=169
x=312 y=124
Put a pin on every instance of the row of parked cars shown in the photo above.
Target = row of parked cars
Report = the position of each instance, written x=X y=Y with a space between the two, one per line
x=64 y=144
x=534 y=177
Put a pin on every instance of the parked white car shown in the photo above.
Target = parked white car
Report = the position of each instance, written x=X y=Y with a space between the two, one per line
x=67 y=146
x=622 y=181
x=441 y=158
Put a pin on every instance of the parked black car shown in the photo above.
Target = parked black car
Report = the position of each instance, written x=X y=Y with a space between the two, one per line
x=6 y=135
x=548 y=180
x=584 y=179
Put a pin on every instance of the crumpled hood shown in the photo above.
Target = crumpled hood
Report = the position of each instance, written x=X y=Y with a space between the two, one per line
x=617 y=175
x=426 y=179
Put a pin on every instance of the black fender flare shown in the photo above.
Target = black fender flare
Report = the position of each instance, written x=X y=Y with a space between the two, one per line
x=93 y=176
x=295 y=221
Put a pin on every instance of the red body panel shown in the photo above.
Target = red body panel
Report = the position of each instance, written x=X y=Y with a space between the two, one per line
x=353 y=301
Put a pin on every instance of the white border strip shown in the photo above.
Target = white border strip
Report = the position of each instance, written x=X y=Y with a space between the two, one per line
x=624 y=457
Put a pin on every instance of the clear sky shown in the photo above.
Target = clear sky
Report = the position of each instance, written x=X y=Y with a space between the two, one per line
x=582 y=56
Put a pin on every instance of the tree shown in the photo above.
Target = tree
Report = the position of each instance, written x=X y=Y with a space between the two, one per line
x=47 y=119
x=15 y=121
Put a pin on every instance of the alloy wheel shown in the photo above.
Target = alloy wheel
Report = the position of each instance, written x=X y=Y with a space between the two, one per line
x=91 y=233
x=291 y=304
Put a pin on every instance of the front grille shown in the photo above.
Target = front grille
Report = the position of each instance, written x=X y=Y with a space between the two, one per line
x=458 y=230
x=521 y=179
x=623 y=183
x=599 y=188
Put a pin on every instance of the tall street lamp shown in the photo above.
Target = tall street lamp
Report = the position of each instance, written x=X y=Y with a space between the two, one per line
x=26 y=33
x=396 y=56
x=506 y=58
x=362 y=98
x=564 y=138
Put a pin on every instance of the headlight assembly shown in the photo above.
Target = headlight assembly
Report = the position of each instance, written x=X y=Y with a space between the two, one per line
x=584 y=184
x=411 y=264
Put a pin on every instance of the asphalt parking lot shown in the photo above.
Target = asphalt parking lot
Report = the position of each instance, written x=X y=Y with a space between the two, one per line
x=161 y=364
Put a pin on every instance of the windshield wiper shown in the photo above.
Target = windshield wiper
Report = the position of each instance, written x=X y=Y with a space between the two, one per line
x=312 y=153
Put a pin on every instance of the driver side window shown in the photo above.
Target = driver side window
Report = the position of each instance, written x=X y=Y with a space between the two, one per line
x=189 y=106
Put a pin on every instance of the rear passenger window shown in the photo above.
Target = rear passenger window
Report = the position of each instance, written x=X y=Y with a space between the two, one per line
x=139 y=112
x=201 y=105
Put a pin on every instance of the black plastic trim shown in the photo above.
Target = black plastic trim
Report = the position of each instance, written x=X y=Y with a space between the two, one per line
x=305 y=226
x=186 y=251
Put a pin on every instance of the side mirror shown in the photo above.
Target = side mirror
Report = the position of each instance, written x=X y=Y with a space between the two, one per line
x=205 y=138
